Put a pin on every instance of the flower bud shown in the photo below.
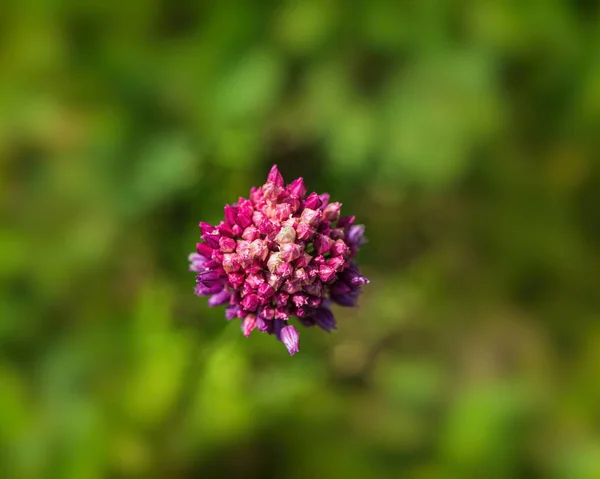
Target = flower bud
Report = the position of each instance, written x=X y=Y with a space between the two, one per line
x=230 y=214
x=326 y=273
x=274 y=261
x=248 y=324
x=313 y=202
x=251 y=233
x=287 y=234
x=250 y=302
x=339 y=248
x=305 y=232
x=290 y=251
x=275 y=177
x=323 y=243
x=310 y=217
x=265 y=291
x=297 y=187
x=291 y=339
x=227 y=245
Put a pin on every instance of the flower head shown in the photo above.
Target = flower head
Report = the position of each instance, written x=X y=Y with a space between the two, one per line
x=279 y=254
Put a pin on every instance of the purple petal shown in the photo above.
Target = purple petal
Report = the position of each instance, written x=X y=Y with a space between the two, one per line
x=291 y=338
x=219 y=298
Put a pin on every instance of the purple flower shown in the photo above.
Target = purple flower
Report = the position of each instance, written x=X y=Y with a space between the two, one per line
x=277 y=255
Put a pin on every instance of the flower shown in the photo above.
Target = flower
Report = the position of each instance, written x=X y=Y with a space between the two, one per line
x=279 y=254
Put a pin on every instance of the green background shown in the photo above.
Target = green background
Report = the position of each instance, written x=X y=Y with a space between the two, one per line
x=463 y=134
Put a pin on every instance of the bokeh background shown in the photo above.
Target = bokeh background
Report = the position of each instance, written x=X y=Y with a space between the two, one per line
x=465 y=135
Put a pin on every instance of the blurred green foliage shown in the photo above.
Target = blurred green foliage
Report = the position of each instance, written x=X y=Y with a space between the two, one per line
x=463 y=134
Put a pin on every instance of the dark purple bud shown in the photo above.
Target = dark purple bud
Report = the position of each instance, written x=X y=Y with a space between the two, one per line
x=250 y=302
x=230 y=214
x=291 y=338
x=304 y=232
x=310 y=217
x=324 y=318
x=356 y=235
x=232 y=311
x=348 y=299
x=313 y=301
x=275 y=176
x=248 y=324
x=203 y=290
x=352 y=275
x=235 y=280
x=208 y=278
x=340 y=287
x=345 y=221
x=227 y=245
x=219 y=298
x=290 y=251
x=326 y=273
x=337 y=233
x=313 y=202
x=262 y=325
x=323 y=243
x=297 y=187
x=332 y=211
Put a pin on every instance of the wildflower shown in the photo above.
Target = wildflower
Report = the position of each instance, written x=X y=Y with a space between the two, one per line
x=281 y=253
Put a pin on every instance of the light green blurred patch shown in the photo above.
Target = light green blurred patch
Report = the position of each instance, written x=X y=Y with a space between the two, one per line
x=302 y=27
x=248 y=89
x=435 y=115
x=482 y=429
x=222 y=410
x=167 y=165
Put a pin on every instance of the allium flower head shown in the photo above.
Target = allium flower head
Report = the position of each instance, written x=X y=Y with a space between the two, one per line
x=279 y=254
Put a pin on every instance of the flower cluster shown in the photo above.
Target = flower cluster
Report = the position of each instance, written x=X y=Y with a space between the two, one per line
x=279 y=254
